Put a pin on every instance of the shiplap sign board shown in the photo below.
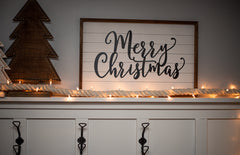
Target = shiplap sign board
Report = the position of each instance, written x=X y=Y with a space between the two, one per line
x=137 y=54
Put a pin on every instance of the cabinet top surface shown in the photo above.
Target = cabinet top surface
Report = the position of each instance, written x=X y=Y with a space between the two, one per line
x=117 y=103
x=116 y=100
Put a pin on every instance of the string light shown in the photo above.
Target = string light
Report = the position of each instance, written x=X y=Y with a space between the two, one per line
x=231 y=92
x=50 y=81
x=232 y=86
x=213 y=95
x=92 y=88
x=193 y=96
x=169 y=98
x=69 y=98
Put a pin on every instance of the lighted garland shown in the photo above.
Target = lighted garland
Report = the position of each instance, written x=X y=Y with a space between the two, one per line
x=119 y=93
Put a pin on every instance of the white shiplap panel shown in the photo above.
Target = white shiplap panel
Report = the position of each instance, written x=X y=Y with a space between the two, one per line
x=131 y=86
x=95 y=33
x=137 y=38
x=100 y=47
x=89 y=67
x=172 y=58
x=152 y=77
x=98 y=27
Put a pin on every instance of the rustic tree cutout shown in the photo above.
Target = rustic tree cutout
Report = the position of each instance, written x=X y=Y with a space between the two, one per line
x=31 y=50
x=3 y=66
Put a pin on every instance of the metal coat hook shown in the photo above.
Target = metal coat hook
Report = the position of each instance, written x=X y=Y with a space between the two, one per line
x=19 y=140
x=81 y=140
x=143 y=140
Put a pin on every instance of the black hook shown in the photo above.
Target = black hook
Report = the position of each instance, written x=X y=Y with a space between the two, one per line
x=81 y=140
x=143 y=140
x=19 y=140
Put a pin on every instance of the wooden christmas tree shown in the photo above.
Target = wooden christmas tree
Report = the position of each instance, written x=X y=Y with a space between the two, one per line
x=3 y=66
x=31 y=50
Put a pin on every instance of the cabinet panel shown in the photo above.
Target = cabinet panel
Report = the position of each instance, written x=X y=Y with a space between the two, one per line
x=6 y=137
x=172 y=137
x=51 y=137
x=112 y=137
x=224 y=137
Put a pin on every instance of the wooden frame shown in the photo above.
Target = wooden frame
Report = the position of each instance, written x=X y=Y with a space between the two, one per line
x=193 y=25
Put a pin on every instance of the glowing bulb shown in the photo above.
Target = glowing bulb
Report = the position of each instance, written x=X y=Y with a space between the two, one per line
x=8 y=82
x=203 y=87
x=237 y=97
x=19 y=81
x=152 y=97
x=213 y=95
x=77 y=88
x=110 y=96
x=193 y=96
x=37 y=89
x=172 y=87
x=232 y=86
x=69 y=98
x=227 y=90
x=169 y=98
x=137 y=96
x=50 y=82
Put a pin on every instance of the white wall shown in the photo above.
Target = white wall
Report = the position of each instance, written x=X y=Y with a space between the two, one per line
x=219 y=27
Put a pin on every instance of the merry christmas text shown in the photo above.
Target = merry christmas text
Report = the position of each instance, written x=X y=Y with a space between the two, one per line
x=142 y=58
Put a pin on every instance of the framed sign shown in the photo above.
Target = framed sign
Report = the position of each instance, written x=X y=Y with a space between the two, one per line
x=138 y=54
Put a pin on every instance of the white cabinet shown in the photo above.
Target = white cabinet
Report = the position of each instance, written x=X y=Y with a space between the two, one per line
x=112 y=136
x=50 y=137
x=6 y=137
x=172 y=137
x=224 y=137
x=50 y=126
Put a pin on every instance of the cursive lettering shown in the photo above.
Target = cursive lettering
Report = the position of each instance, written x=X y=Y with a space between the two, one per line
x=144 y=58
